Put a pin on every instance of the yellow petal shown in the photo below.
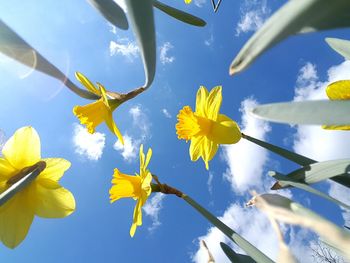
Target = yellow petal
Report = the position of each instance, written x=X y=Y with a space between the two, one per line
x=148 y=157
x=16 y=216
x=52 y=201
x=113 y=127
x=336 y=127
x=6 y=170
x=87 y=83
x=225 y=131
x=124 y=186
x=209 y=149
x=146 y=187
x=195 y=147
x=55 y=168
x=23 y=148
x=142 y=157
x=137 y=218
x=92 y=114
x=214 y=103
x=103 y=94
x=339 y=90
x=188 y=1
x=201 y=101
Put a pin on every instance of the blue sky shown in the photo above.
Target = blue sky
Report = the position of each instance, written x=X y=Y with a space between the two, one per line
x=74 y=37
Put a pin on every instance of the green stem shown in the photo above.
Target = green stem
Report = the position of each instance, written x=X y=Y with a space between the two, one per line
x=292 y=156
x=21 y=180
x=251 y=250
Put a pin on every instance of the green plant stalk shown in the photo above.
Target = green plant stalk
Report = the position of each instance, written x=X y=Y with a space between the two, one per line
x=294 y=157
x=251 y=250
x=21 y=180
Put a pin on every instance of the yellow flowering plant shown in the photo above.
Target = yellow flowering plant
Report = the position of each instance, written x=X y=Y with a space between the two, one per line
x=137 y=187
x=206 y=127
x=339 y=90
x=93 y=114
x=44 y=196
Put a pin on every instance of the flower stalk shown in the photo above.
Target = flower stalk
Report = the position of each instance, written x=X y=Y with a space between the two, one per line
x=21 y=180
x=250 y=249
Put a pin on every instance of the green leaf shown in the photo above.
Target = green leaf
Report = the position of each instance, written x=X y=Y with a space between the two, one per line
x=292 y=156
x=179 y=15
x=317 y=112
x=285 y=210
x=140 y=14
x=33 y=173
x=13 y=46
x=340 y=45
x=233 y=256
x=286 y=181
x=251 y=250
x=112 y=12
x=296 y=16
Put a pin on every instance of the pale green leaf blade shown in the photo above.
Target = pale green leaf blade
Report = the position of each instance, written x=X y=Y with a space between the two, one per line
x=13 y=46
x=141 y=18
x=317 y=112
x=285 y=210
x=179 y=15
x=112 y=12
x=251 y=250
x=340 y=45
x=233 y=256
x=292 y=156
x=296 y=16
x=288 y=181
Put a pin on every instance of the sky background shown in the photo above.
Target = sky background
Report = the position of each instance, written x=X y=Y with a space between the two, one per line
x=74 y=37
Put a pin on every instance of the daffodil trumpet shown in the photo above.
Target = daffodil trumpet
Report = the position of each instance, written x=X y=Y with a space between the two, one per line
x=18 y=181
x=93 y=114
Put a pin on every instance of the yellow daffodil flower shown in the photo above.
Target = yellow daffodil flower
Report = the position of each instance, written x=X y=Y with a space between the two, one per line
x=339 y=90
x=206 y=127
x=188 y=1
x=43 y=197
x=95 y=113
x=137 y=187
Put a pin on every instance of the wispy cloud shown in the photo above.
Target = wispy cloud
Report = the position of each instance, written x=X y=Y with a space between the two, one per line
x=166 y=113
x=88 y=145
x=164 y=56
x=313 y=141
x=210 y=182
x=208 y=42
x=152 y=209
x=130 y=149
x=140 y=133
x=242 y=172
x=125 y=48
x=200 y=3
x=253 y=15
x=140 y=120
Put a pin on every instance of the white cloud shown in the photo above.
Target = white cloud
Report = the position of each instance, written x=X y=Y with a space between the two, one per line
x=246 y=160
x=200 y=3
x=88 y=145
x=248 y=222
x=140 y=132
x=210 y=182
x=208 y=42
x=152 y=209
x=164 y=57
x=315 y=142
x=253 y=15
x=122 y=4
x=130 y=149
x=140 y=120
x=125 y=48
x=166 y=113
